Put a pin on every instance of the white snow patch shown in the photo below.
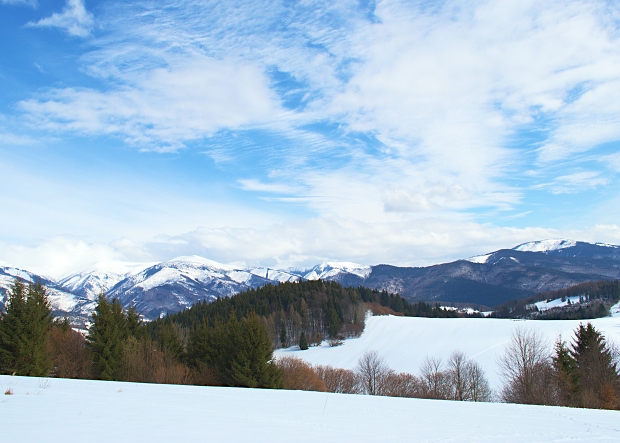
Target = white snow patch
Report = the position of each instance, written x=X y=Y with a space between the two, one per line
x=557 y=303
x=328 y=270
x=481 y=259
x=545 y=245
x=614 y=311
x=196 y=259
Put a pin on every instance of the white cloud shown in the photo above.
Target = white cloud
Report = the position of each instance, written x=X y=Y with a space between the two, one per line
x=575 y=182
x=612 y=161
x=164 y=107
x=74 y=19
x=31 y=3
x=258 y=186
x=58 y=256
x=8 y=138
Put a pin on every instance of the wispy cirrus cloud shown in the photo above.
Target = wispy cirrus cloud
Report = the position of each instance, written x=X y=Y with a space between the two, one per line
x=575 y=182
x=31 y=3
x=164 y=107
x=74 y=19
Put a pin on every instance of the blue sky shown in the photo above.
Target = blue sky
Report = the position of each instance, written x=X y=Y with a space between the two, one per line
x=293 y=132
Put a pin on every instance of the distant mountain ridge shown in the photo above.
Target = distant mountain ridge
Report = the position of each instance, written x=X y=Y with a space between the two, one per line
x=486 y=280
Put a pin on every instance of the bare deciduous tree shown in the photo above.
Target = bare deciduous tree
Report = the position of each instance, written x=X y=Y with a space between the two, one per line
x=466 y=379
x=435 y=380
x=479 y=385
x=527 y=370
x=372 y=372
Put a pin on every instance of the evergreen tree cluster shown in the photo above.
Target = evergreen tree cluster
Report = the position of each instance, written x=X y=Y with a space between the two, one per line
x=108 y=335
x=587 y=374
x=24 y=331
x=235 y=353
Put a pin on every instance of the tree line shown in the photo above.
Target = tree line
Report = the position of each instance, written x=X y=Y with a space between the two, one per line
x=238 y=351
x=461 y=379
x=595 y=300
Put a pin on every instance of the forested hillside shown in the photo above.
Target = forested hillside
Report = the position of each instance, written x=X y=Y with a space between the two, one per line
x=315 y=309
x=579 y=302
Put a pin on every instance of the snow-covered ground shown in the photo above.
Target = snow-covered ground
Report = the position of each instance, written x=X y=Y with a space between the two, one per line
x=557 y=303
x=92 y=411
x=404 y=342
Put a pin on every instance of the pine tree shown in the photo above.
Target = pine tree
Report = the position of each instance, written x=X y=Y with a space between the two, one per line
x=24 y=331
x=566 y=372
x=35 y=358
x=12 y=326
x=250 y=362
x=303 y=341
x=597 y=376
x=106 y=338
x=283 y=338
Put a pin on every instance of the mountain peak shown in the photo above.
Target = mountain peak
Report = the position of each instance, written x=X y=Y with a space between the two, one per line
x=197 y=259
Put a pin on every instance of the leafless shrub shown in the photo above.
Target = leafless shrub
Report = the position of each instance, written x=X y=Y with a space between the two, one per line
x=69 y=355
x=299 y=375
x=144 y=361
x=403 y=385
x=338 y=380
x=9 y=392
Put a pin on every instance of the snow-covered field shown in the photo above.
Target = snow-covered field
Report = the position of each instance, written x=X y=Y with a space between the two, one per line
x=91 y=411
x=404 y=342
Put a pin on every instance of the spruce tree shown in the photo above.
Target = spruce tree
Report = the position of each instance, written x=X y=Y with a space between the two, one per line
x=106 y=338
x=283 y=338
x=566 y=372
x=24 y=331
x=12 y=327
x=36 y=359
x=303 y=341
x=598 y=381
x=250 y=362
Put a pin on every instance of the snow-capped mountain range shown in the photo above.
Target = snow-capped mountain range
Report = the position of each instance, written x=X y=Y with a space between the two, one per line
x=490 y=279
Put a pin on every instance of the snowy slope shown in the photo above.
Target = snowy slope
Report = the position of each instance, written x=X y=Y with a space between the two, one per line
x=332 y=270
x=90 y=284
x=546 y=245
x=60 y=299
x=404 y=342
x=104 y=412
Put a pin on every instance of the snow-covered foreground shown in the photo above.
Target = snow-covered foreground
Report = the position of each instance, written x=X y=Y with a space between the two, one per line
x=91 y=411
x=404 y=342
